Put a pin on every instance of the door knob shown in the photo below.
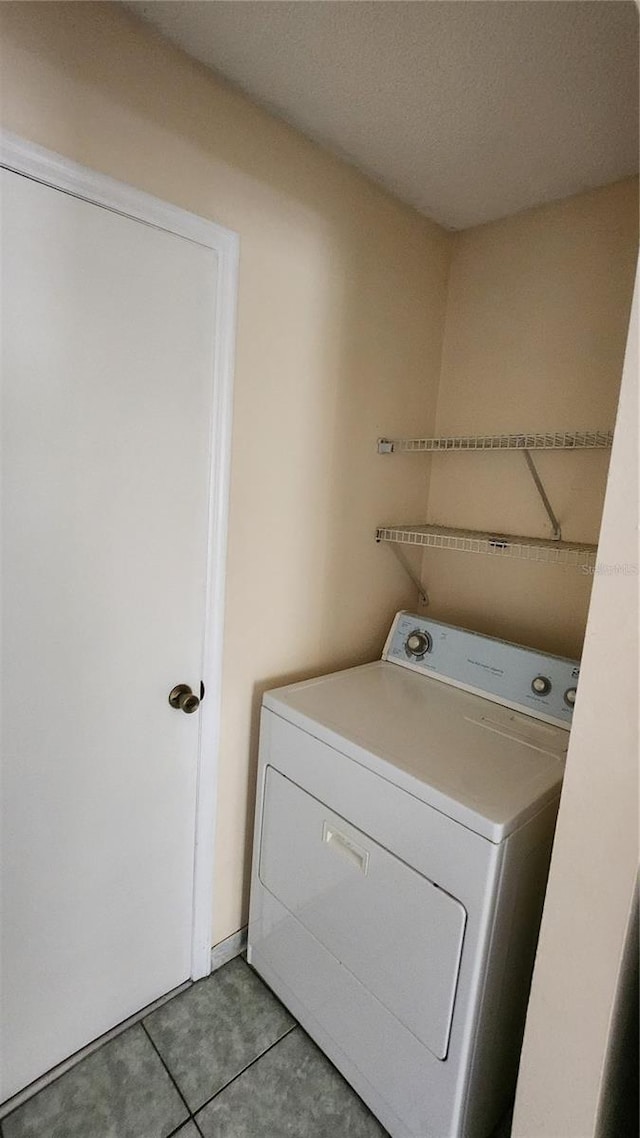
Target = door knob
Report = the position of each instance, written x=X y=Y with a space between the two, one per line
x=183 y=699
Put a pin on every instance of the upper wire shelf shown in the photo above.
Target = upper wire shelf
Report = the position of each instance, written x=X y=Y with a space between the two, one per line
x=564 y=440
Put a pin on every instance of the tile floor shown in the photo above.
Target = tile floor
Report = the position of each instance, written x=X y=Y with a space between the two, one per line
x=224 y=1059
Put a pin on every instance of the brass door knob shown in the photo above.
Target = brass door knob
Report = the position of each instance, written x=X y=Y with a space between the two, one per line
x=183 y=699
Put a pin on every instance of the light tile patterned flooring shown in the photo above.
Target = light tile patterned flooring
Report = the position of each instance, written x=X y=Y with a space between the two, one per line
x=223 y=1059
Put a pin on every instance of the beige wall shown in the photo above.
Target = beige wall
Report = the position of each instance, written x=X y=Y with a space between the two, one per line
x=593 y=878
x=341 y=309
x=536 y=324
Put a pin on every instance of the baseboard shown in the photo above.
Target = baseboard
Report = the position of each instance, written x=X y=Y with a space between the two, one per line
x=233 y=946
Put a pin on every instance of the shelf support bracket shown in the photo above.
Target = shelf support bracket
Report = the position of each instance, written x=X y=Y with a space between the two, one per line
x=423 y=596
x=557 y=532
x=385 y=446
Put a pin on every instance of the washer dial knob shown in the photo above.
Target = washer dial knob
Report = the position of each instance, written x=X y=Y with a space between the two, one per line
x=417 y=644
x=541 y=685
x=570 y=697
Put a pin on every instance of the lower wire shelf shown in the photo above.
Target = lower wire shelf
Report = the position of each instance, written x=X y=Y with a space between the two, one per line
x=577 y=554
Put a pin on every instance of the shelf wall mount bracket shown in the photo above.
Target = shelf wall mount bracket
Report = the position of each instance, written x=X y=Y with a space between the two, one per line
x=557 y=532
x=423 y=595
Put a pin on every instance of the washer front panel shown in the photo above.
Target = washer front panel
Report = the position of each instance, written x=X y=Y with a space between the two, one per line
x=395 y=930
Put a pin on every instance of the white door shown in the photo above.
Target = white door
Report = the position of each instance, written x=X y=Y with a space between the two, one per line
x=107 y=376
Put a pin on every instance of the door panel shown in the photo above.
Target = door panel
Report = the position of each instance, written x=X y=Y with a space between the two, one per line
x=107 y=388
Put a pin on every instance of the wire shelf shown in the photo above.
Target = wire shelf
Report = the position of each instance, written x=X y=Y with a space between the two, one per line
x=542 y=550
x=568 y=440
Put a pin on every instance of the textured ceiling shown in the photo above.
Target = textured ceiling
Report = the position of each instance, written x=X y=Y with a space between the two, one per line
x=469 y=111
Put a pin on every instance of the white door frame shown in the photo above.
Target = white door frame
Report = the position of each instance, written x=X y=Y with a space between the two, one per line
x=52 y=169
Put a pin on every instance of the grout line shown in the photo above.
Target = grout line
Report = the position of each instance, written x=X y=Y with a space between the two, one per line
x=189 y=1111
x=180 y=1126
x=245 y=1069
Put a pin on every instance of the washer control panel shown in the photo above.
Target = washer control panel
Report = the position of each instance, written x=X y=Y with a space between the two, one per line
x=522 y=678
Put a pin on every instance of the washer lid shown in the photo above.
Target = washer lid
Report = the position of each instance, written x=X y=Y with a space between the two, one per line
x=485 y=766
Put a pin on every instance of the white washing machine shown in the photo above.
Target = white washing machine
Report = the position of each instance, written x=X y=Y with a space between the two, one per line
x=404 y=824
